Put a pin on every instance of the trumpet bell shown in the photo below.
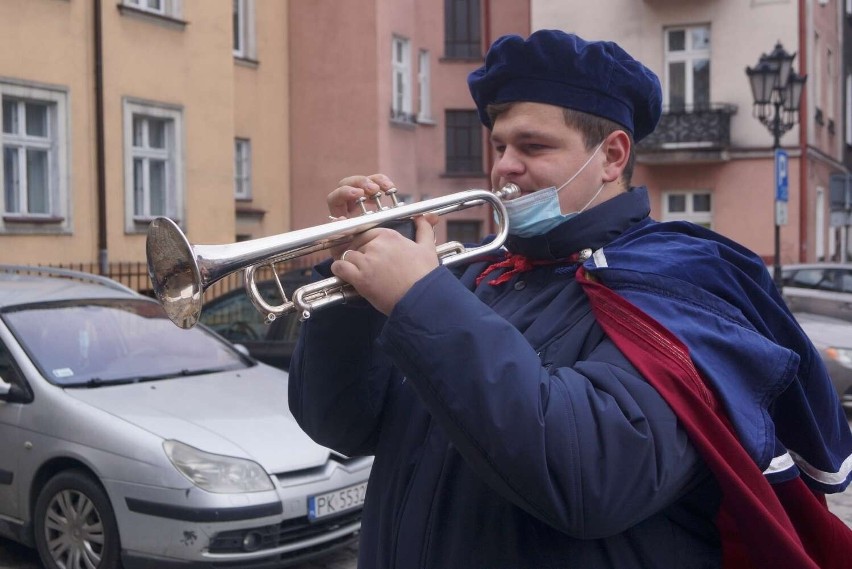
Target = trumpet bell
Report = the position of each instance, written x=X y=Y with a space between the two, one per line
x=174 y=273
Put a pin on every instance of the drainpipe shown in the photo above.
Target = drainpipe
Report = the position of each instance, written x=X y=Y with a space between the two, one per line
x=803 y=136
x=100 y=165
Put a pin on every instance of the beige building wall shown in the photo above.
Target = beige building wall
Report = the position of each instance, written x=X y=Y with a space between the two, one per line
x=52 y=51
x=181 y=62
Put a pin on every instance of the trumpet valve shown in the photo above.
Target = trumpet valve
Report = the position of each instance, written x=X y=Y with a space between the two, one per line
x=361 y=201
x=377 y=197
x=391 y=193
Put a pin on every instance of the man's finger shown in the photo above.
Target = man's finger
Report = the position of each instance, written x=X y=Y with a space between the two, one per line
x=424 y=234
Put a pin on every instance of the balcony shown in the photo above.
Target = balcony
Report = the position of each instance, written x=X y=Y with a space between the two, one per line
x=689 y=134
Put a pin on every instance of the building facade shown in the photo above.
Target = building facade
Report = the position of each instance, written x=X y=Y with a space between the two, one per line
x=233 y=117
x=115 y=112
x=711 y=161
x=390 y=95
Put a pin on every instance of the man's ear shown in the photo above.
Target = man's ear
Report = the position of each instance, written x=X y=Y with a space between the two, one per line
x=616 y=148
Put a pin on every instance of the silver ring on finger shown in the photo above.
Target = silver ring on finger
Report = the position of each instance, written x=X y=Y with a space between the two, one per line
x=343 y=256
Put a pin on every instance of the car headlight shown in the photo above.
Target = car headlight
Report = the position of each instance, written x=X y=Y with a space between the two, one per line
x=215 y=472
x=843 y=356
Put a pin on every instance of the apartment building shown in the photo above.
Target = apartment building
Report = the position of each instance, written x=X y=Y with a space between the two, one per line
x=382 y=87
x=711 y=161
x=118 y=111
x=233 y=117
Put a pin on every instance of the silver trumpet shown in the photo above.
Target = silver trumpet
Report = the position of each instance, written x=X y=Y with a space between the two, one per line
x=181 y=272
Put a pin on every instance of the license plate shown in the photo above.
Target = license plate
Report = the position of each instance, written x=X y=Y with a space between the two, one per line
x=335 y=502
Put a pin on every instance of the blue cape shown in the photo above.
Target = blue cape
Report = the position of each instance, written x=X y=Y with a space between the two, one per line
x=743 y=340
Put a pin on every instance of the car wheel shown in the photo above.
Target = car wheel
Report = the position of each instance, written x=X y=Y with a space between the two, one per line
x=74 y=524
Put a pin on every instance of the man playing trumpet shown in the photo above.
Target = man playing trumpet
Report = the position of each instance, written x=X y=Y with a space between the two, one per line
x=613 y=392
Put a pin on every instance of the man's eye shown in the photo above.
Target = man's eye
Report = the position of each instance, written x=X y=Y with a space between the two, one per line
x=499 y=148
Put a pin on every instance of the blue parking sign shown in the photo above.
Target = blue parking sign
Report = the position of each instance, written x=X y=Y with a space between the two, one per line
x=781 y=175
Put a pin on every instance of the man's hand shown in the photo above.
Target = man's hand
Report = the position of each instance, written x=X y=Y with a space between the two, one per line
x=382 y=264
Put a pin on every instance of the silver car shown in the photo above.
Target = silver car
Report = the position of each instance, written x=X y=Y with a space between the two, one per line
x=819 y=288
x=125 y=440
x=832 y=337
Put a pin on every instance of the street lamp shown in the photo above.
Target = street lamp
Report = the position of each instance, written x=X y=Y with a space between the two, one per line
x=777 y=92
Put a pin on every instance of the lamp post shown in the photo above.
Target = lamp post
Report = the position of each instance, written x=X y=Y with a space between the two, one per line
x=777 y=92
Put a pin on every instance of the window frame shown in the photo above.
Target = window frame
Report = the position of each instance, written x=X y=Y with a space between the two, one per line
x=703 y=218
x=137 y=222
x=424 y=82
x=453 y=164
x=57 y=145
x=463 y=40
x=848 y=102
x=244 y=29
x=242 y=169
x=689 y=56
x=168 y=8
x=401 y=93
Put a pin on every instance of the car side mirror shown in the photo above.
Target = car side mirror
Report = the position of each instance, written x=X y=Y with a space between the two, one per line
x=12 y=393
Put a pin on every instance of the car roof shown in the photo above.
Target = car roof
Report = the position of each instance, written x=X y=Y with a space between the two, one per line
x=23 y=285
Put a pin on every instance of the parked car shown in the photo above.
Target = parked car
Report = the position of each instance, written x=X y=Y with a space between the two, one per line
x=819 y=288
x=833 y=338
x=127 y=441
x=233 y=316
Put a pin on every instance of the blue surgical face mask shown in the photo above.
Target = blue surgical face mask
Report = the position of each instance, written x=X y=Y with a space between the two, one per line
x=539 y=212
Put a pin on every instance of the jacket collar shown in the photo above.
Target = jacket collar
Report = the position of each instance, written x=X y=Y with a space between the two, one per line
x=592 y=229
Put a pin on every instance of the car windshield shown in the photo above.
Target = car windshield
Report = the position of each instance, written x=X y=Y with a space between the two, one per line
x=101 y=342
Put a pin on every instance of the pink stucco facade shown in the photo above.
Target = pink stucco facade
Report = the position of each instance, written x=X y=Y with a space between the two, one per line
x=341 y=88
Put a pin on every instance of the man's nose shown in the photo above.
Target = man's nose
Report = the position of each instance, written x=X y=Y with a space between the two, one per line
x=508 y=164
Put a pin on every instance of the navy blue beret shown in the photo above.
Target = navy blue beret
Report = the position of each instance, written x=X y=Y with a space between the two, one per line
x=562 y=69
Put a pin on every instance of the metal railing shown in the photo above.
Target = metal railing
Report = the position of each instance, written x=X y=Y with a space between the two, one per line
x=134 y=275
x=691 y=127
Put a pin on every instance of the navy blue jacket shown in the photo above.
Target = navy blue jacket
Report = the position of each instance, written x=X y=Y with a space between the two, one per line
x=508 y=430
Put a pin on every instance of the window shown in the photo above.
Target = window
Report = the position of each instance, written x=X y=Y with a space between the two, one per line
x=401 y=105
x=34 y=168
x=817 y=76
x=829 y=69
x=464 y=142
x=465 y=232
x=153 y=167
x=687 y=67
x=688 y=206
x=848 y=99
x=242 y=169
x=171 y=8
x=243 y=24
x=423 y=78
x=148 y=5
x=462 y=29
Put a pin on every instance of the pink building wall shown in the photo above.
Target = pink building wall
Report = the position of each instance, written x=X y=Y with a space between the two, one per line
x=341 y=92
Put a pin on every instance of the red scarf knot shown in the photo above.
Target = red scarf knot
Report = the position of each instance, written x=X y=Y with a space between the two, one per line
x=518 y=263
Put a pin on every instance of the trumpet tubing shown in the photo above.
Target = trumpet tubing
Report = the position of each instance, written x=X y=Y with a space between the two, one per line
x=180 y=272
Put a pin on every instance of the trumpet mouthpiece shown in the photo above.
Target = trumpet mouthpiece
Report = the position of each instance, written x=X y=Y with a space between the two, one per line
x=508 y=192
